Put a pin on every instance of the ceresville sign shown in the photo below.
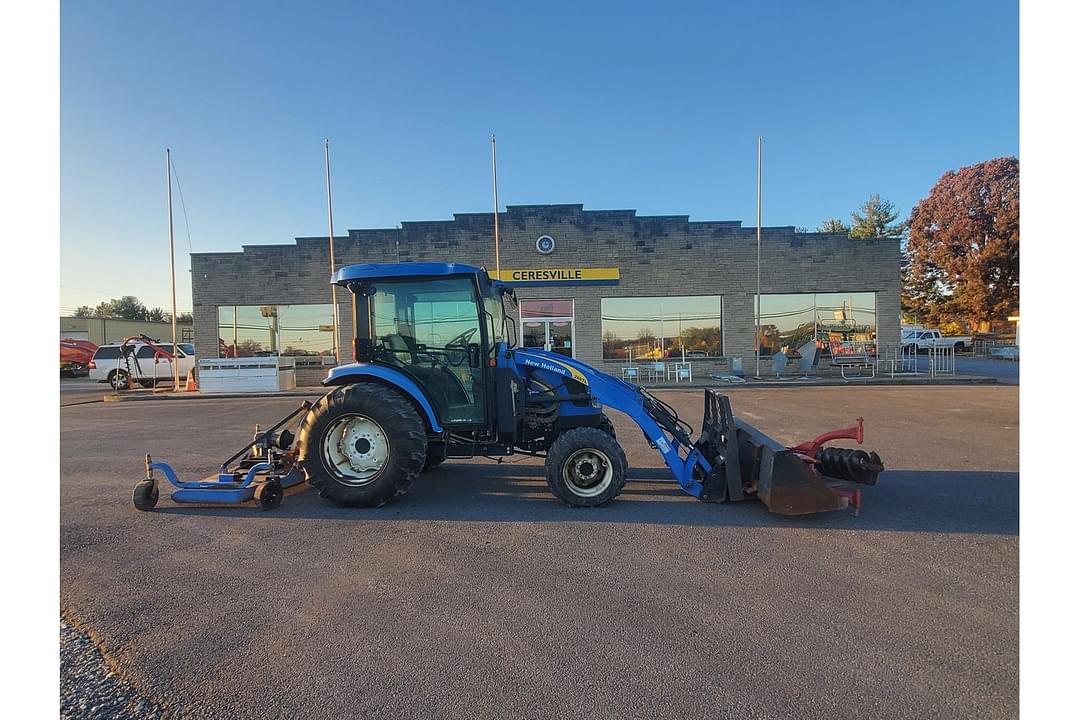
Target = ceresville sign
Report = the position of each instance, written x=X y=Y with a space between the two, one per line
x=559 y=276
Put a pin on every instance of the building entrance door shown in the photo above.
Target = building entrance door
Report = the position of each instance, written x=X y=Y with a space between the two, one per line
x=554 y=335
x=548 y=325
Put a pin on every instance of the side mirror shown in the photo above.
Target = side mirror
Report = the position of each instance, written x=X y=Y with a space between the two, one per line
x=474 y=355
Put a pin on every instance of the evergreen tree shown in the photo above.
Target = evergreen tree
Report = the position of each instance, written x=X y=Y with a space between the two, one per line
x=875 y=218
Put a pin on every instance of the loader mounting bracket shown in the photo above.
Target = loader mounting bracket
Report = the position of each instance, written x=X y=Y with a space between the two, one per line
x=719 y=434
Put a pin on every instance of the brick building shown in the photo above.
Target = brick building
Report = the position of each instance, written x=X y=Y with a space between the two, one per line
x=606 y=286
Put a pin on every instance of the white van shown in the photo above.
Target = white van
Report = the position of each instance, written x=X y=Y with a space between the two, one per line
x=142 y=365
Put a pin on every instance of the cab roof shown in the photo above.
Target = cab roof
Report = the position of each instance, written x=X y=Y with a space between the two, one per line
x=402 y=270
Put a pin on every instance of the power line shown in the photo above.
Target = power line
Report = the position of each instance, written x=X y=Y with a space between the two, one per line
x=183 y=206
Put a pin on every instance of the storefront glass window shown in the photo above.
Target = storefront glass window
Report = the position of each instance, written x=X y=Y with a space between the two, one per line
x=787 y=321
x=657 y=328
x=840 y=322
x=262 y=330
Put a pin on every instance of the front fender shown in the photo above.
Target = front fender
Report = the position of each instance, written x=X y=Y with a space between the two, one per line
x=360 y=372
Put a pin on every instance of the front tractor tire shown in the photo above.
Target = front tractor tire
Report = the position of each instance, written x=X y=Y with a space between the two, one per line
x=362 y=445
x=585 y=467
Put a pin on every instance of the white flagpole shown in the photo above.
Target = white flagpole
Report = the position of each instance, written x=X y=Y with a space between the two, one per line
x=495 y=192
x=172 y=272
x=330 y=217
x=757 y=308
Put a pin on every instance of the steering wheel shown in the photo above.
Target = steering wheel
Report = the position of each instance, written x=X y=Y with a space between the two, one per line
x=458 y=348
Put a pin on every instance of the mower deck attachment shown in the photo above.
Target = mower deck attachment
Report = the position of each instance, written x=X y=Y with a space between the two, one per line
x=262 y=471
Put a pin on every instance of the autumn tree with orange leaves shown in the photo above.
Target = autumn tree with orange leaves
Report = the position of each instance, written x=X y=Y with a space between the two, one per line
x=963 y=252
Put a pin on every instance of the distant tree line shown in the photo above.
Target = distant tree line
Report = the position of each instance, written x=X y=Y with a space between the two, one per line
x=129 y=307
x=959 y=248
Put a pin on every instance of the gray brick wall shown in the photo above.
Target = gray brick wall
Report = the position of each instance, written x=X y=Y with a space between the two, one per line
x=656 y=255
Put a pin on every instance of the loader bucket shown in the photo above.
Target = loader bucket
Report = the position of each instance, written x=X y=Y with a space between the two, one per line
x=749 y=463
x=787 y=484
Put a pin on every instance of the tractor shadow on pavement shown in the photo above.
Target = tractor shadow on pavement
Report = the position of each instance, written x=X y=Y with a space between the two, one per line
x=933 y=501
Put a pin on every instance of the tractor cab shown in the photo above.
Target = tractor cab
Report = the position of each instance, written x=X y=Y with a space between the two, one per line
x=437 y=323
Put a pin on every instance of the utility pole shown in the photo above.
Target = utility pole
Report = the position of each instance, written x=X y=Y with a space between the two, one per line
x=172 y=272
x=330 y=217
x=757 y=303
x=495 y=191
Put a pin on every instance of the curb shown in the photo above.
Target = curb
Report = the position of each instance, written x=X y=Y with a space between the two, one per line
x=829 y=382
x=138 y=396
x=148 y=397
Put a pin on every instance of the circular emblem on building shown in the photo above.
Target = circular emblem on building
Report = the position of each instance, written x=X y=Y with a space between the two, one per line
x=545 y=244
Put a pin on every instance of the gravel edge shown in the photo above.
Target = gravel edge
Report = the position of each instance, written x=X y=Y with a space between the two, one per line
x=89 y=689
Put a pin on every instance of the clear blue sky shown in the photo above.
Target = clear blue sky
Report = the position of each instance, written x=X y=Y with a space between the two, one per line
x=615 y=105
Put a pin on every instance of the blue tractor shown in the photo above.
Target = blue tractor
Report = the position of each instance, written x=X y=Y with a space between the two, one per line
x=436 y=375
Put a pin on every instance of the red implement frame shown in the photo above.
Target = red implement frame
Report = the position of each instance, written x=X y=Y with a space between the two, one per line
x=158 y=352
x=855 y=432
x=808 y=450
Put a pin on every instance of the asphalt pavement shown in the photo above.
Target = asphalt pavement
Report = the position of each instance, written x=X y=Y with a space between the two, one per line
x=74 y=391
x=477 y=595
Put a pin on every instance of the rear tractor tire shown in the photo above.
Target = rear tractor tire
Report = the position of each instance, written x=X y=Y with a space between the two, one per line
x=433 y=461
x=585 y=467
x=362 y=445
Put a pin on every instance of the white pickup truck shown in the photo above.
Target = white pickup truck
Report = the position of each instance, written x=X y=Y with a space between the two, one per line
x=924 y=338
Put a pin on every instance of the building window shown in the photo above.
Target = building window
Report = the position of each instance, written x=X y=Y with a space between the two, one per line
x=656 y=328
x=261 y=330
x=839 y=322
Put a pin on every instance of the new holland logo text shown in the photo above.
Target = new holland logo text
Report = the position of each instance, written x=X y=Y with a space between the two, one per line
x=550 y=367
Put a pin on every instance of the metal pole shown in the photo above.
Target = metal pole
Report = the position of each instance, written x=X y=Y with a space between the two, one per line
x=172 y=270
x=757 y=304
x=495 y=191
x=330 y=217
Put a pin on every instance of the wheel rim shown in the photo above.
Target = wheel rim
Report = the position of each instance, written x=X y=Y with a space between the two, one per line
x=588 y=472
x=356 y=448
x=120 y=381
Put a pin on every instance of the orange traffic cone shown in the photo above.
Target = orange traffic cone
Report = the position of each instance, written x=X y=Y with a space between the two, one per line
x=192 y=386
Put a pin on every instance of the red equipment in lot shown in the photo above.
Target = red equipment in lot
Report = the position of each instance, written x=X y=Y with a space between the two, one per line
x=75 y=354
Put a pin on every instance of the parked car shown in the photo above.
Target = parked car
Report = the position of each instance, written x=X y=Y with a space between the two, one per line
x=924 y=338
x=143 y=364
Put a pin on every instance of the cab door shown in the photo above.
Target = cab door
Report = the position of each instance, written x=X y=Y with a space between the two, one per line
x=425 y=329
